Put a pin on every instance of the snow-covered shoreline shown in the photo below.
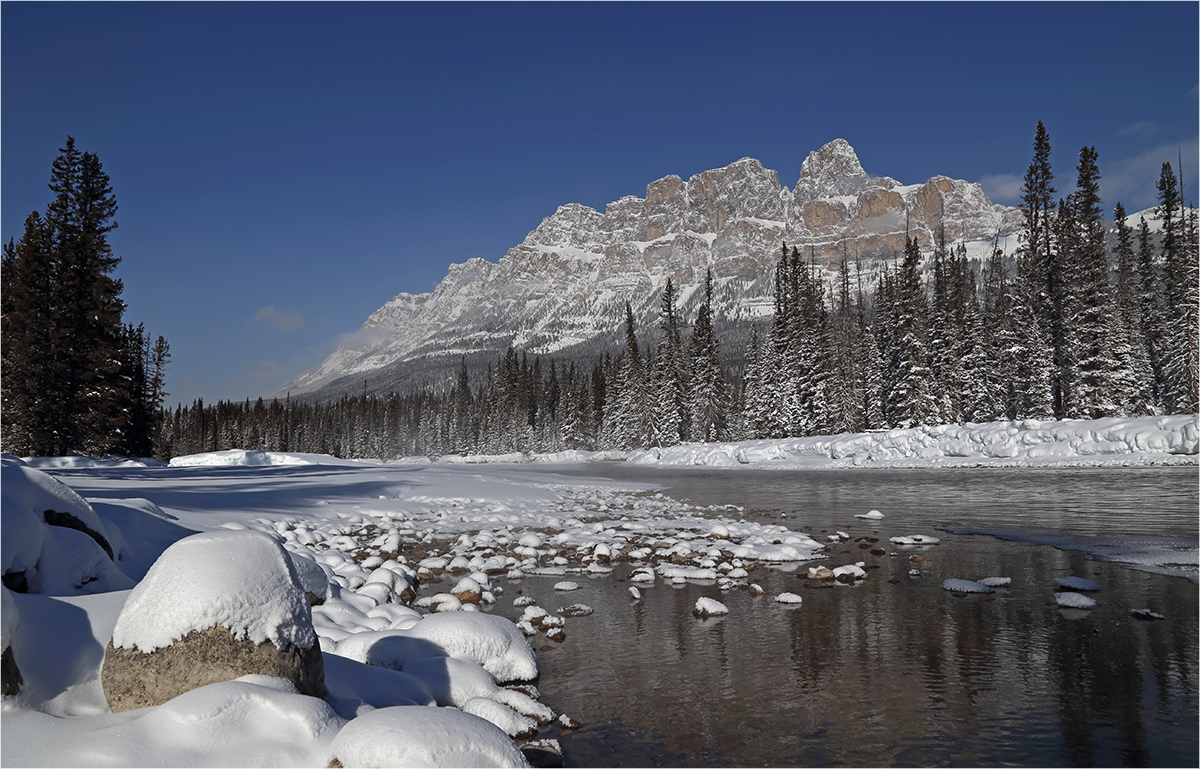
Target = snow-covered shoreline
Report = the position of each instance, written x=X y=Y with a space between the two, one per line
x=1112 y=442
x=375 y=539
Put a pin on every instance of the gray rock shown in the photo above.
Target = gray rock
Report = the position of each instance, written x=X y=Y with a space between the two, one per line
x=135 y=679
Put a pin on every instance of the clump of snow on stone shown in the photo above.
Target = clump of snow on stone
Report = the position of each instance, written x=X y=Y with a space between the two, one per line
x=996 y=581
x=424 y=737
x=243 y=580
x=1077 y=583
x=873 y=515
x=965 y=586
x=1070 y=600
x=566 y=586
x=708 y=607
x=635 y=594
x=791 y=598
x=915 y=539
x=1145 y=614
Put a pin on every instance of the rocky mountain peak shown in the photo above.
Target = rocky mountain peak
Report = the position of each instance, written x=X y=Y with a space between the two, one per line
x=830 y=171
x=562 y=291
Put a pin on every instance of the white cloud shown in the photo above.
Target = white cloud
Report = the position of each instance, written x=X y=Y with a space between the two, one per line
x=1131 y=180
x=1002 y=188
x=264 y=371
x=281 y=320
x=1140 y=128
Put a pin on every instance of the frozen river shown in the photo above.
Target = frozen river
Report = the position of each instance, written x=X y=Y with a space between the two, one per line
x=897 y=671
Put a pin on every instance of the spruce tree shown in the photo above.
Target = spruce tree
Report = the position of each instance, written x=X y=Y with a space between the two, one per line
x=708 y=387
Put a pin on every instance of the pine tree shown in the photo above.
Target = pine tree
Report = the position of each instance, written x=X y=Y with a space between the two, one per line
x=29 y=410
x=708 y=387
x=1037 y=390
x=628 y=415
x=1135 y=380
x=668 y=386
x=914 y=403
x=72 y=381
x=1092 y=304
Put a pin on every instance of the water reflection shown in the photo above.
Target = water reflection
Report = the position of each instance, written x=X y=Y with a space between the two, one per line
x=894 y=671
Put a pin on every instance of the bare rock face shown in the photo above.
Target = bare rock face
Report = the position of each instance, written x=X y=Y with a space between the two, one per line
x=134 y=679
x=214 y=607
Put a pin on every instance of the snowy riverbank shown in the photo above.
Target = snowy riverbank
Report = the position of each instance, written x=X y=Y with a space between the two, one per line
x=1114 y=442
x=1172 y=440
x=401 y=557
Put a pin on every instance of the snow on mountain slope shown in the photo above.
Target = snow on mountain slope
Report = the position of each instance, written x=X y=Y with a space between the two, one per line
x=565 y=286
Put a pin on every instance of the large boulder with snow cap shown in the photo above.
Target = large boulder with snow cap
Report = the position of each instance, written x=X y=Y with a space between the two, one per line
x=52 y=541
x=214 y=607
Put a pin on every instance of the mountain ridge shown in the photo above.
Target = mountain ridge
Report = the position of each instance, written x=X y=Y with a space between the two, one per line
x=561 y=291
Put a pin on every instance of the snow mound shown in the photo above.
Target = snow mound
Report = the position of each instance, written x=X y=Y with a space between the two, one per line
x=1071 y=600
x=1077 y=584
x=233 y=723
x=791 y=598
x=243 y=580
x=490 y=641
x=996 y=581
x=873 y=515
x=965 y=586
x=566 y=586
x=424 y=737
x=242 y=458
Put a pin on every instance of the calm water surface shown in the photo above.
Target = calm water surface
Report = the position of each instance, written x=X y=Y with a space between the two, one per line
x=897 y=671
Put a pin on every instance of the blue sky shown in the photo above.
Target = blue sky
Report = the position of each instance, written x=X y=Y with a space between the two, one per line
x=283 y=170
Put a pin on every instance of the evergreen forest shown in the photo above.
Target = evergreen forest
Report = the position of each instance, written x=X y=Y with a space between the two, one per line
x=75 y=378
x=1075 y=324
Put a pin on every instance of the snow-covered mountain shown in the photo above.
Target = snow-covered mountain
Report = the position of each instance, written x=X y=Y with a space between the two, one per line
x=562 y=291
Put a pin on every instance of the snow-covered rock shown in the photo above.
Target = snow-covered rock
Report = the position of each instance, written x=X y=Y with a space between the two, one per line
x=214 y=607
x=1077 y=584
x=956 y=585
x=51 y=540
x=1071 y=600
x=708 y=607
x=423 y=737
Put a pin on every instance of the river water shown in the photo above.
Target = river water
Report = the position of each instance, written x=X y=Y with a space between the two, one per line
x=896 y=671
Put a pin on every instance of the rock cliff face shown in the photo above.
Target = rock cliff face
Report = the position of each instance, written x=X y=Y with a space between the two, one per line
x=562 y=291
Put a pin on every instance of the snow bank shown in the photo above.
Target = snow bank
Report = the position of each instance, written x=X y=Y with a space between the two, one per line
x=241 y=458
x=1114 y=442
x=254 y=721
x=243 y=580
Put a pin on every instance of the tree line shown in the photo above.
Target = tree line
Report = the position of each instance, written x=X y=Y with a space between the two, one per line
x=1067 y=327
x=75 y=377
